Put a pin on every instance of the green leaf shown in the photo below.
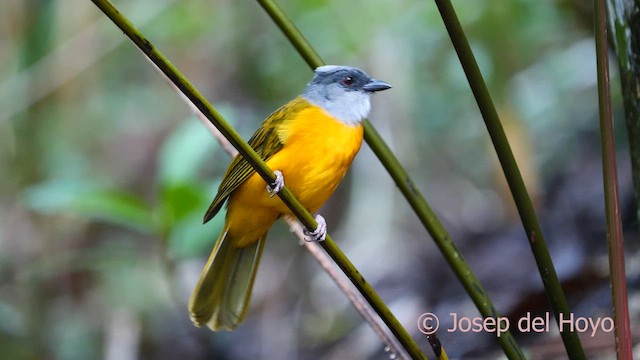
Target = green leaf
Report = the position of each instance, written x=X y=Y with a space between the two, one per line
x=179 y=217
x=89 y=201
x=190 y=238
x=179 y=200
x=185 y=152
x=56 y=195
x=115 y=207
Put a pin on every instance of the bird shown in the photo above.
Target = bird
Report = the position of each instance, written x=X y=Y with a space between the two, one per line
x=310 y=143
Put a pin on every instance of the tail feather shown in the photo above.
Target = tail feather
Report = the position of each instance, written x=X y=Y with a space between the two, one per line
x=221 y=297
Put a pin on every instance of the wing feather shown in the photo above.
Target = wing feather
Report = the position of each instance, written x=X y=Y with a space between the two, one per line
x=266 y=142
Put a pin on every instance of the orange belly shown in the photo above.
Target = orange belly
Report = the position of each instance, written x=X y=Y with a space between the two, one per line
x=317 y=153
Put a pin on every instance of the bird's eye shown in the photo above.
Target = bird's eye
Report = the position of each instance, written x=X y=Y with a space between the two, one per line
x=347 y=81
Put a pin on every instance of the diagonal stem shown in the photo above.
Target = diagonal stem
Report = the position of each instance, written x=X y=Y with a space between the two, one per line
x=512 y=173
x=611 y=198
x=178 y=79
x=407 y=187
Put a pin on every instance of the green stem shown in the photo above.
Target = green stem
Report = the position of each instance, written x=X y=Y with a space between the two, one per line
x=406 y=186
x=443 y=240
x=512 y=174
x=611 y=198
x=292 y=33
x=263 y=170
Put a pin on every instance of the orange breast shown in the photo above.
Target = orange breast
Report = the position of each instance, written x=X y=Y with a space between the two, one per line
x=317 y=153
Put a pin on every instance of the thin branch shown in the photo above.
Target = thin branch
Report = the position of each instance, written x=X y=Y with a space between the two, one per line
x=407 y=187
x=512 y=173
x=314 y=249
x=611 y=198
x=356 y=299
x=263 y=170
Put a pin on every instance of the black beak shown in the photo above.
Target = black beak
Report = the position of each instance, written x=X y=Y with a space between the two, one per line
x=376 y=85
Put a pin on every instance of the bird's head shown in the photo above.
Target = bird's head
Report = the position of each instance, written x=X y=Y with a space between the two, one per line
x=343 y=91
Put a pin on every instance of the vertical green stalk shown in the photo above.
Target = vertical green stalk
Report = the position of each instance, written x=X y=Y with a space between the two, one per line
x=611 y=198
x=178 y=79
x=512 y=173
x=406 y=185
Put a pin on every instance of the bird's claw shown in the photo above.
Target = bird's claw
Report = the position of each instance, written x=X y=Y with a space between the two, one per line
x=276 y=185
x=320 y=233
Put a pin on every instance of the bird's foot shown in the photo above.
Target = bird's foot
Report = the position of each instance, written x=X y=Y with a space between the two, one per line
x=276 y=185
x=320 y=233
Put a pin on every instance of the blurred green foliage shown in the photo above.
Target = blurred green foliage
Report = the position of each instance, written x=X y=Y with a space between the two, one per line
x=106 y=175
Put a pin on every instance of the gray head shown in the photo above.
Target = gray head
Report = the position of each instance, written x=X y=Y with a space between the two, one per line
x=343 y=91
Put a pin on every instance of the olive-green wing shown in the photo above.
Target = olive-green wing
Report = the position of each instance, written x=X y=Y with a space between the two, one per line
x=266 y=142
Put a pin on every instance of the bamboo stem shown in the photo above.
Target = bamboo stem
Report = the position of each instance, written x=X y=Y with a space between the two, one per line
x=611 y=198
x=512 y=173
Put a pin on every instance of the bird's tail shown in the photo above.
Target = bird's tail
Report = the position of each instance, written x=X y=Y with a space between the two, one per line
x=222 y=294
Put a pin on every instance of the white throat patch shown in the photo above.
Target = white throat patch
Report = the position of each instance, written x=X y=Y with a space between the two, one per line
x=350 y=107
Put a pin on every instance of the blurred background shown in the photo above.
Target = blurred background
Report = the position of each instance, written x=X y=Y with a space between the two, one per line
x=106 y=176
